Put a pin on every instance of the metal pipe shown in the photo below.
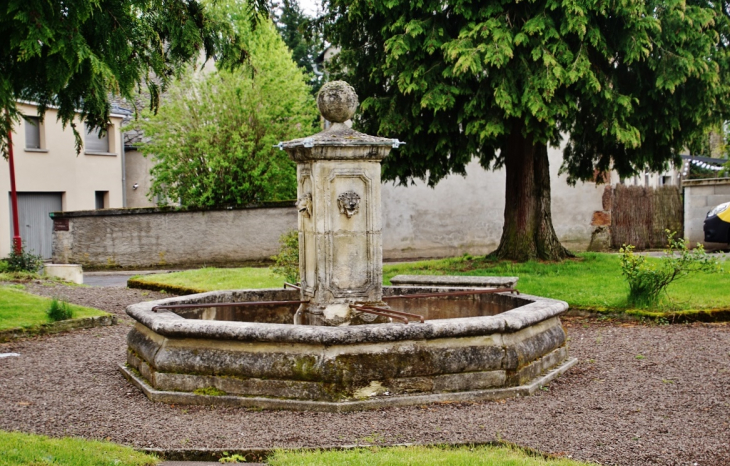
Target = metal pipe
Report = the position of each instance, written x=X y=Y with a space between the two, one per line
x=290 y=285
x=17 y=241
x=124 y=167
x=245 y=303
x=451 y=293
x=378 y=313
x=383 y=309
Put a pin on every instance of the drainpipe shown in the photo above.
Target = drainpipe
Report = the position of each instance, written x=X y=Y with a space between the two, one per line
x=17 y=241
x=124 y=170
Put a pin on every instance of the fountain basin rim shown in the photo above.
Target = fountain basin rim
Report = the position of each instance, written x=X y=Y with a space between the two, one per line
x=170 y=324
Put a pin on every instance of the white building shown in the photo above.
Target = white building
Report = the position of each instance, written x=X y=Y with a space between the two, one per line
x=50 y=176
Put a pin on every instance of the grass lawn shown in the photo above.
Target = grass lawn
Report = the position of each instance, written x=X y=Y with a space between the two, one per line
x=211 y=279
x=21 y=309
x=25 y=449
x=593 y=281
x=397 y=456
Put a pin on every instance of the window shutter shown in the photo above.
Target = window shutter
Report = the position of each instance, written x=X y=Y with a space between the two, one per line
x=32 y=133
x=94 y=143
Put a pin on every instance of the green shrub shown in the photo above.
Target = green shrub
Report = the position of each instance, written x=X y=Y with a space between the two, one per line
x=4 y=266
x=647 y=279
x=286 y=263
x=59 y=310
x=22 y=261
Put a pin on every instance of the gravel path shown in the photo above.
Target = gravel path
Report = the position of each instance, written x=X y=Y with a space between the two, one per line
x=640 y=395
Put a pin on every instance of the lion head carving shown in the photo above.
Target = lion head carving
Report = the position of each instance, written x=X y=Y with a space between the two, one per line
x=304 y=205
x=348 y=203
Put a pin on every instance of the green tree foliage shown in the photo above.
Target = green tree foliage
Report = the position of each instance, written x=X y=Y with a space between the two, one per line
x=72 y=53
x=631 y=83
x=301 y=35
x=212 y=140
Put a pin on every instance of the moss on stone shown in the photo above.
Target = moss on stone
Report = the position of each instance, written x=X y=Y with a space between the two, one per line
x=209 y=391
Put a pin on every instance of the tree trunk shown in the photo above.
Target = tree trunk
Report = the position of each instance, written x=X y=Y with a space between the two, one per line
x=528 y=226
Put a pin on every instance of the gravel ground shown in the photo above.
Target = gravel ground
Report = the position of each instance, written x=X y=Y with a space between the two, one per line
x=641 y=394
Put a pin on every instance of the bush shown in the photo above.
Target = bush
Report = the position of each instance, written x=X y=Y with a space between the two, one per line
x=59 y=310
x=286 y=263
x=22 y=261
x=647 y=279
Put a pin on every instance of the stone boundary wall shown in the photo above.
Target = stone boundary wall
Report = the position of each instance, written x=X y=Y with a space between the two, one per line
x=460 y=215
x=165 y=237
x=700 y=196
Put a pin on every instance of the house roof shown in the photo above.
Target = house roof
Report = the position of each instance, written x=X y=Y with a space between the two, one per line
x=130 y=134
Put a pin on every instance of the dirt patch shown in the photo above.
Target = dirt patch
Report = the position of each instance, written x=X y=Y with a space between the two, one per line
x=640 y=395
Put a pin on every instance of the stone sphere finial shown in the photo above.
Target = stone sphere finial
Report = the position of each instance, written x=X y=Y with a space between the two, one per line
x=337 y=101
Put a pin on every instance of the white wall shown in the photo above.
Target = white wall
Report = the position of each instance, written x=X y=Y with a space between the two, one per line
x=466 y=214
x=461 y=214
x=138 y=173
x=700 y=197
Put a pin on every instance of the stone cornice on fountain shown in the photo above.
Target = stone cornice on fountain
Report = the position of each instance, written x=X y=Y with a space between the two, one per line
x=535 y=310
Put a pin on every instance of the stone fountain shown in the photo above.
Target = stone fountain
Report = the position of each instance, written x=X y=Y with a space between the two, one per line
x=340 y=249
x=342 y=341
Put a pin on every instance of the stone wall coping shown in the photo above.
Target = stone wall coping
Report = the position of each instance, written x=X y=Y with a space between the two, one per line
x=168 y=210
x=455 y=280
x=705 y=182
x=169 y=324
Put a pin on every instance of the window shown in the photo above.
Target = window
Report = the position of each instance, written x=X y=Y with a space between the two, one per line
x=666 y=180
x=101 y=199
x=32 y=133
x=94 y=143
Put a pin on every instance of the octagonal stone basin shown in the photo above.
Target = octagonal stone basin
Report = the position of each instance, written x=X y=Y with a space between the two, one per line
x=471 y=347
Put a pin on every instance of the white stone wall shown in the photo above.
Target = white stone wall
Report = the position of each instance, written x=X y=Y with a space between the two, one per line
x=153 y=238
x=466 y=214
x=700 y=196
x=460 y=215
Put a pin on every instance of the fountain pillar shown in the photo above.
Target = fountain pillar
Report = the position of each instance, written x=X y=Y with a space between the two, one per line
x=340 y=246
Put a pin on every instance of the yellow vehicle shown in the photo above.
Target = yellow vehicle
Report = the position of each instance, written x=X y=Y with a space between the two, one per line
x=717 y=224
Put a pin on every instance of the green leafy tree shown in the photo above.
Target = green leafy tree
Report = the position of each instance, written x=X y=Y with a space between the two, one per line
x=72 y=53
x=302 y=35
x=212 y=139
x=630 y=84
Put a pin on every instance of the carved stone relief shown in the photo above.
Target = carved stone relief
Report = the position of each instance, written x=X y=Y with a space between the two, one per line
x=348 y=203
x=304 y=205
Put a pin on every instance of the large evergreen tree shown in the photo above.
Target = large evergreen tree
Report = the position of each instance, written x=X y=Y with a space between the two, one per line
x=73 y=53
x=630 y=83
x=301 y=35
